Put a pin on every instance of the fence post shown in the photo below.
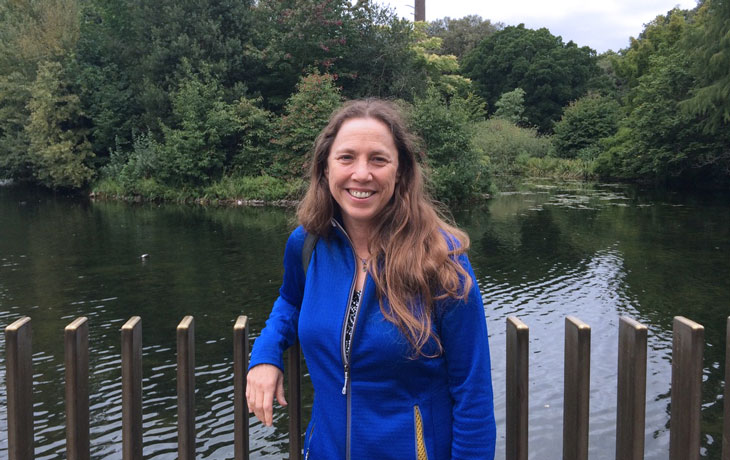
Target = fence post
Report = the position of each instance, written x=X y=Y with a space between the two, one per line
x=132 y=389
x=76 y=357
x=577 y=374
x=726 y=399
x=684 y=423
x=295 y=403
x=240 y=408
x=518 y=348
x=631 y=391
x=186 y=389
x=19 y=378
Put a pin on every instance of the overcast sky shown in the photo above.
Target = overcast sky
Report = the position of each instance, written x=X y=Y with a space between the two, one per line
x=602 y=25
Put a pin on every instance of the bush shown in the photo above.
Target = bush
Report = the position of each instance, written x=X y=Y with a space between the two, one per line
x=265 y=188
x=500 y=142
x=584 y=123
x=254 y=155
x=141 y=163
x=204 y=129
x=511 y=106
x=458 y=174
x=58 y=149
x=306 y=113
x=557 y=168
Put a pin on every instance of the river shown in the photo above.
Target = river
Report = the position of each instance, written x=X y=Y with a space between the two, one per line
x=541 y=252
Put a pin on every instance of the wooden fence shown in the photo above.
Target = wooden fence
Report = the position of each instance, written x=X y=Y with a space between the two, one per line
x=687 y=349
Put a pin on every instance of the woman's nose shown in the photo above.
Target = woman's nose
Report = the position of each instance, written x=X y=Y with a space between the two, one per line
x=361 y=171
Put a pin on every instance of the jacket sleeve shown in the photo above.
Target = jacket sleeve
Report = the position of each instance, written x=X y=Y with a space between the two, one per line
x=280 y=331
x=463 y=333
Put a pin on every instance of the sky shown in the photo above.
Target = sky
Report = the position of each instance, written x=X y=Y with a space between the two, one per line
x=602 y=25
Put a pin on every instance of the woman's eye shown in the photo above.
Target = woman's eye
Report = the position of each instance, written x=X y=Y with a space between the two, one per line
x=380 y=160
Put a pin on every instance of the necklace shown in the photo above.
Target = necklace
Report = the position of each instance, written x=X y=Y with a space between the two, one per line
x=364 y=263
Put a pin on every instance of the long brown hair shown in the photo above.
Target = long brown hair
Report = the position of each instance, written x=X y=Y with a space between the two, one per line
x=413 y=250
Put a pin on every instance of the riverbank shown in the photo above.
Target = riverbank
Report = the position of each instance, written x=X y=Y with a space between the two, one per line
x=228 y=191
x=272 y=191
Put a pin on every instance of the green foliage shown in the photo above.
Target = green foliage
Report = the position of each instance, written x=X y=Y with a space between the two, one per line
x=366 y=47
x=500 y=143
x=142 y=162
x=205 y=131
x=511 y=106
x=461 y=35
x=457 y=173
x=36 y=31
x=305 y=115
x=264 y=188
x=14 y=95
x=441 y=69
x=584 y=123
x=551 y=73
x=557 y=168
x=256 y=125
x=658 y=141
x=58 y=148
x=711 y=53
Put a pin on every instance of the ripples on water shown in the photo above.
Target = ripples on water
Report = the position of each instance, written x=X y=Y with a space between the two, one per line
x=541 y=253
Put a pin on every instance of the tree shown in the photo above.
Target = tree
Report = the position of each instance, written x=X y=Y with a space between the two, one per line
x=306 y=113
x=31 y=33
x=551 y=73
x=711 y=48
x=205 y=131
x=441 y=70
x=457 y=173
x=58 y=148
x=14 y=96
x=584 y=123
x=657 y=141
x=461 y=35
x=511 y=106
x=365 y=47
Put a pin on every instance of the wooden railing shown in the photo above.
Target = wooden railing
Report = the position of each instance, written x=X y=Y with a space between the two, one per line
x=687 y=349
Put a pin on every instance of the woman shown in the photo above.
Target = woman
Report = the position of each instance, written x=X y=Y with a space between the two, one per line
x=388 y=313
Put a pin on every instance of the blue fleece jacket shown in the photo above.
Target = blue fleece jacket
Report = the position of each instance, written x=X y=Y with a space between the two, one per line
x=390 y=400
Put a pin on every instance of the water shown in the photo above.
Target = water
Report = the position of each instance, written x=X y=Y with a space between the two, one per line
x=541 y=253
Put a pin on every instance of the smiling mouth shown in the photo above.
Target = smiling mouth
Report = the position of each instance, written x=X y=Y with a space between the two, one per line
x=360 y=194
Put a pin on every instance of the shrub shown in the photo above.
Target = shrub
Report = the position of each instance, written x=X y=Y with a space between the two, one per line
x=306 y=113
x=584 y=123
x=457 y=172
x=265 y=188
x=142 y=162
x=511 y=106
x=205 y=127
x=500 y=142
x=254 y=155
x=58 y=147
x=557 y=168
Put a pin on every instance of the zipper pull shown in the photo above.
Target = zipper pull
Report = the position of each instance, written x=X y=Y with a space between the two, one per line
x=347 y=377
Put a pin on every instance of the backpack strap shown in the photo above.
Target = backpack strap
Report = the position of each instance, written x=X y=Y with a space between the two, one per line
x=309 y=242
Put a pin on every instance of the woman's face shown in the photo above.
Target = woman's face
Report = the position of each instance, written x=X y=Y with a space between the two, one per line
x=362 y=170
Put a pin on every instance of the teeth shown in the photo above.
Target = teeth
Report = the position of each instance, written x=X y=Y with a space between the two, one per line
x=358 y=194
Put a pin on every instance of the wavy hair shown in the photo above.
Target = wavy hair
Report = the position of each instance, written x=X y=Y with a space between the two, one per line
x=413 y=249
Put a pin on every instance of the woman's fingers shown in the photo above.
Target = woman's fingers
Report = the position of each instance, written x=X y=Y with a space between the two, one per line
x=262 y=383
x=280 y=391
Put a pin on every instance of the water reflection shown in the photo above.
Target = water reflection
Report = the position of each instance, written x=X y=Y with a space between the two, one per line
x=542 y=252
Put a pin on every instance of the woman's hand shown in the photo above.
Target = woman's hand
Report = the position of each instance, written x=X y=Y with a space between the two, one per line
x=263 y=383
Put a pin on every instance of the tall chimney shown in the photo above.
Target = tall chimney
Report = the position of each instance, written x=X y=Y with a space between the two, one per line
x=420 y=14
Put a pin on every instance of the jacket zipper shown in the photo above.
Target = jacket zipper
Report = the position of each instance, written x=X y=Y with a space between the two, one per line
x=421 y=452
x=309 y=444
x=346 y=387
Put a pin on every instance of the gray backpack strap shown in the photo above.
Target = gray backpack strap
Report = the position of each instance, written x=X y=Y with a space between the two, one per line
x=309 y=242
